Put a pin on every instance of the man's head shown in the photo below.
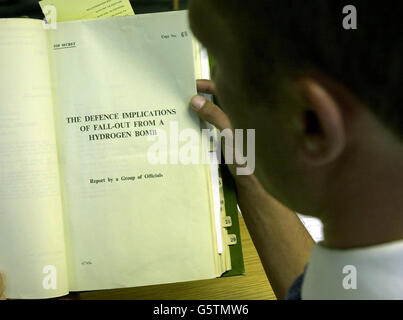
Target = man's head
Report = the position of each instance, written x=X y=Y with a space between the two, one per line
x=326 y=102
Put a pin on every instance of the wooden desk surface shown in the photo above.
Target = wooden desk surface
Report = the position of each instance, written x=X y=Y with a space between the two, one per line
x=252 y=286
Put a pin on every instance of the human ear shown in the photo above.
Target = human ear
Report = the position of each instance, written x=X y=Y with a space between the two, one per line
x=323 y=131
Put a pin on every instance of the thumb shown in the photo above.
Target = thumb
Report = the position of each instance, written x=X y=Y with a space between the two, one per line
x=210 y=112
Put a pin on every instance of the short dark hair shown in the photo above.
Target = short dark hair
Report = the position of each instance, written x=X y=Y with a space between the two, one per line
x=310 y=35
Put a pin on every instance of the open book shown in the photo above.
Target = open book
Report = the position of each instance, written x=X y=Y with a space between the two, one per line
x=82 y=206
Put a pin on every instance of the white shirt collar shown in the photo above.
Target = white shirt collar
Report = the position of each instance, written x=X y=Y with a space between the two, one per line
x=379 y=273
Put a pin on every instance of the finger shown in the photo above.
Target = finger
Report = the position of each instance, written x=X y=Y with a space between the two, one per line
x=211 y=113
x=206 y=86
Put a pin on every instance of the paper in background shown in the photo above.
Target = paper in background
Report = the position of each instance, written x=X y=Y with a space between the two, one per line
x=70 y=10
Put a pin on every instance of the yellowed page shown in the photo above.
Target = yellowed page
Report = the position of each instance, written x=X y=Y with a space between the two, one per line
x=32 y=249
x=123 y=230
x=71 y=10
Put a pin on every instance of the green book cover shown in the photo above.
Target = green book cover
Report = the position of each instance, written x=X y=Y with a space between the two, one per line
x=231 y=208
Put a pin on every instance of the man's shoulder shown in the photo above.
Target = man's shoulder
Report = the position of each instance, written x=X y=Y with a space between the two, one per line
x=366 y=273
x=295 y=291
